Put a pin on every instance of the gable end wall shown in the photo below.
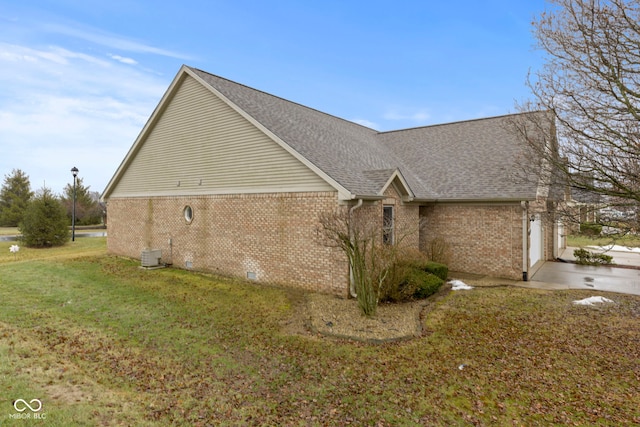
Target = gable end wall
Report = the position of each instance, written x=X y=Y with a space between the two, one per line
x=200 y=145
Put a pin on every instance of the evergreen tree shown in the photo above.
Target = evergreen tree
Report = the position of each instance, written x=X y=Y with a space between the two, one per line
x=88 y=209
x=45 y=221
x=14 y=198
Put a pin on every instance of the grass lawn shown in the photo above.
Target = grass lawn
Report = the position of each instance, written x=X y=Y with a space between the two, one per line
x=101 y=342
x=581 y=241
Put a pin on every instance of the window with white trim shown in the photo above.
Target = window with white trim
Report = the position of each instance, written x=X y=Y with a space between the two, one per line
x=188 y=214
x=388 y=224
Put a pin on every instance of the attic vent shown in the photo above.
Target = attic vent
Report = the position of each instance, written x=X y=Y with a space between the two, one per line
x=151 y=257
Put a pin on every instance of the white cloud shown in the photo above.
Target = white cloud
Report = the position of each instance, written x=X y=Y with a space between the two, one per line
x=113 y=41
x=124 y=60
x=420 y=116
x=61 y=108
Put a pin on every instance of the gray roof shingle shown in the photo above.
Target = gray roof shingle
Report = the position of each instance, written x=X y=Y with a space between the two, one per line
x=340 y=148
x=471 y=160
x=475 y=159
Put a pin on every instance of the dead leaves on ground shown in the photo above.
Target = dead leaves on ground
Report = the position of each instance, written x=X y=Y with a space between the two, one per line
x=527 y=357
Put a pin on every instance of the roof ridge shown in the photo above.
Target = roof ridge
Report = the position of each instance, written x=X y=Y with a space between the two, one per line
x=458 y=122
x=356 y=158
x=284 y=99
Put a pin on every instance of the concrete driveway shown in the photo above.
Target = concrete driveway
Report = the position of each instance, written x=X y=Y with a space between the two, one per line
x=566 y=275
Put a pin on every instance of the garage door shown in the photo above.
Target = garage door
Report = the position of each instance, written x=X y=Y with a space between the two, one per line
x=535 y=249
x=562 y=242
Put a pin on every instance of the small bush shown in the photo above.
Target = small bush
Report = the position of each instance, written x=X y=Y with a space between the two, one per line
x=426 y=284
x=410 y=256
x=603 y=259
x=590 y=229
x=44 y=223
x=439 y=250
x=437 y=269
x=396 y=287
x=415 y=283
x=412 y=276
x=392 y=288
x=585 y=257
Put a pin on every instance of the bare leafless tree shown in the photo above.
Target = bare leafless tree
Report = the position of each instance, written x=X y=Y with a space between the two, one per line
x=360 y=234
x=359 y=237
x=590 y=85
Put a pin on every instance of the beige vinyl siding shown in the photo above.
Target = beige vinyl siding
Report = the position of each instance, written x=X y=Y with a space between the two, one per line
x=200 y=145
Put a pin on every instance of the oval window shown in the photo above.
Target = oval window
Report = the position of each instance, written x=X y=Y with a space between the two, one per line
x=188 y=214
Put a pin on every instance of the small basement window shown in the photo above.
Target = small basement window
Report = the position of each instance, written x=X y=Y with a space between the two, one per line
x=188 y=214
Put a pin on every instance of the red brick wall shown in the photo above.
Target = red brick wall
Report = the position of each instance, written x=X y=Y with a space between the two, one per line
x=270 y=235
x=484 y=239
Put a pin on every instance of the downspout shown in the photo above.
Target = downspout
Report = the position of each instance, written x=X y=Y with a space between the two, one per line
x=556 y=234
x=525 y=240
x=352 y=290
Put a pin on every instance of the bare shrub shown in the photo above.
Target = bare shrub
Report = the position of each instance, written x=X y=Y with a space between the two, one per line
x=396 y=286
x=439 y=250
x=359 y=234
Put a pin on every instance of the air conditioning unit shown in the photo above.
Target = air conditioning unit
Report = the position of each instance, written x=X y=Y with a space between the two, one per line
x=151 y=257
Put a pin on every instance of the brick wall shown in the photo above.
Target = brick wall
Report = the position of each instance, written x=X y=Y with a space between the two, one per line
x=271 y=237
x=406 y=218
x=484 y=239
x=406 y=221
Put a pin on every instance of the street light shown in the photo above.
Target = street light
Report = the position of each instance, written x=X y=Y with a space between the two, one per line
x=74 y=172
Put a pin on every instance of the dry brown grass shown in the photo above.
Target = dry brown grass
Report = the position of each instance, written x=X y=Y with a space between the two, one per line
x=102 y=342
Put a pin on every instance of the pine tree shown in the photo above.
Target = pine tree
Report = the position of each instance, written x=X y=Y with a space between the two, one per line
x=88 y=209
x=45 y=221
x=14 y=198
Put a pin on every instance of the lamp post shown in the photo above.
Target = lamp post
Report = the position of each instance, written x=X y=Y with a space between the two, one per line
x=74 y=172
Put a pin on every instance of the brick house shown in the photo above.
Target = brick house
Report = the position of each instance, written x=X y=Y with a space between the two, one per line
x=229 y=179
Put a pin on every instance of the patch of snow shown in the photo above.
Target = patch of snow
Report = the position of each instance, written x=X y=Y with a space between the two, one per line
x=459 y=285
x=592 y=301
x=615 y=248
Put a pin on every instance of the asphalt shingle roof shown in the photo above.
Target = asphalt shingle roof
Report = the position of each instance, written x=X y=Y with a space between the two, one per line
x=476 y=159
x=471 y=160
x=340 y=148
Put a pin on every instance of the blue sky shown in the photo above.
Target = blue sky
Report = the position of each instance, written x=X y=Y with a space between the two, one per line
x=79 y=78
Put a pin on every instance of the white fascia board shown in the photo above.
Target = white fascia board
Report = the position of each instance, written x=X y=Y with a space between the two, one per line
x=397 y=174
x=205 y=193
x=480 y=201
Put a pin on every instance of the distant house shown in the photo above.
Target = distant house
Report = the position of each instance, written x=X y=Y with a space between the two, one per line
x=583 y=206
x=229 y=179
